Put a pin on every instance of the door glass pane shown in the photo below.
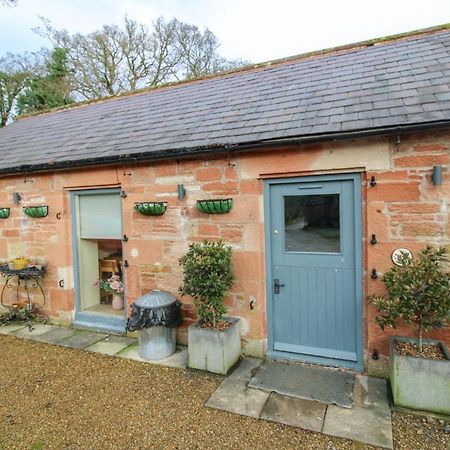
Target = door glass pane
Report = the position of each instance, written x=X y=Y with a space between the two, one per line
x=311 y=223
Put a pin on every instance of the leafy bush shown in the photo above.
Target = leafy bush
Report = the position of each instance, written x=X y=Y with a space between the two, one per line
x=208 y=274
x=419 y=292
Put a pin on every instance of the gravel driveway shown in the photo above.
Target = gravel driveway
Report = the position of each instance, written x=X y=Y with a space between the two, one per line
x=58 y=398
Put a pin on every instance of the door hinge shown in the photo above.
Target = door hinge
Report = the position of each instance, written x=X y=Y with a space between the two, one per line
x=125 y=238
x=125 y=264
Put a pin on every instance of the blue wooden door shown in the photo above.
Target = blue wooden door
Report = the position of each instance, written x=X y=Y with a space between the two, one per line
x=315 y=314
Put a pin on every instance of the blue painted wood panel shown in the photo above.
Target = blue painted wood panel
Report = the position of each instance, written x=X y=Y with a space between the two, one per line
x=316 y=312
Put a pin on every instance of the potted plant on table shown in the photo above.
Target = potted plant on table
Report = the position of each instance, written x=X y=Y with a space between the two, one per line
x=419 y=294
x=114 y=286
x=214 y=342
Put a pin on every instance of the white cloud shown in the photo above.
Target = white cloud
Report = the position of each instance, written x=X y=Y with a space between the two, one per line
x=257 y=30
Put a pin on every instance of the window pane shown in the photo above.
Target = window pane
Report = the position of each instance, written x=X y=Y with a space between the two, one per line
x=100 y=216
x=311 y=223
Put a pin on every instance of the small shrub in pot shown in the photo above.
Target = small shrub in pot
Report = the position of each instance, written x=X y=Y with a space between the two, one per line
x=419 y=294
x=208 y=274
x=214 y=341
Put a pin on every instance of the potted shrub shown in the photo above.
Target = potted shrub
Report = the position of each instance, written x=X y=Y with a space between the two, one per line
x=419 y=294
x=214 y=342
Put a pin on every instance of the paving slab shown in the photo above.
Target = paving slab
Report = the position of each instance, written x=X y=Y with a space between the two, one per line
x=246 y=368
x=56 y=335
x=131 y=352
x=111 y=345
x=179 y=359
x=371 y=426
x=296 y=412
x=322 y=384
x=38 y=330
x=370 y=392
x=234 y=396
x=11 y=327
x=82 y=339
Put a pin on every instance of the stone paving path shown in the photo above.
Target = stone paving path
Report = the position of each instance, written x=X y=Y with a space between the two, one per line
x=367 y=421
x=112 y=345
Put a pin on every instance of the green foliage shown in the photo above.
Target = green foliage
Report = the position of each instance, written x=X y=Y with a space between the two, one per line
x=50 y=90
x=15 y=72
x=418 y=292
x=208 y=274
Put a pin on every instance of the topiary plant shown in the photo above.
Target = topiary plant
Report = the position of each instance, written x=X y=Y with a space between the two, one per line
x=418 y=292
x=208 y=274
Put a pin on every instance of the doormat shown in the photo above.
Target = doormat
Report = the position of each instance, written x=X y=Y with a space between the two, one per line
x=322 y=384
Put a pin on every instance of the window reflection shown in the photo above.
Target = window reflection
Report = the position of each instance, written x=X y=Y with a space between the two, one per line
x=311 y=223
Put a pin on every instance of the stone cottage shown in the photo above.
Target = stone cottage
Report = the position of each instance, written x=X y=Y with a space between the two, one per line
x=333 y=160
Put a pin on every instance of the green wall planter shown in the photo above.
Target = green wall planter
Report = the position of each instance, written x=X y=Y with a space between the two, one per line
x=215 y=206
x=151 y=208
x=4 y=213
x=36 y=211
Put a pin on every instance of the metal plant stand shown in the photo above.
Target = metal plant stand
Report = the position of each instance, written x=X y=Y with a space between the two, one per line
x=26 y=278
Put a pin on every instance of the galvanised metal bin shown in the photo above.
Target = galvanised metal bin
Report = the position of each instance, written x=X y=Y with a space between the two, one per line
x=155 y=315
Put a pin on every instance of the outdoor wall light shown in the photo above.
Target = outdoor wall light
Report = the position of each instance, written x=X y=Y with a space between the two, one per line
x=17 y=198
x=181 y=192
x=437 y=175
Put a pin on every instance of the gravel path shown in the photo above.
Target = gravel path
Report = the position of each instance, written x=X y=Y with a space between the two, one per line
x=57 y=398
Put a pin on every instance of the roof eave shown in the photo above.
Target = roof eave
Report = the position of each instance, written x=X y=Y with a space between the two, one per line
x=222 y=148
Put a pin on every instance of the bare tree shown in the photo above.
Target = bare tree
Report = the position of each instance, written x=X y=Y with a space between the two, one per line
x=9 y=2
x=119 y=59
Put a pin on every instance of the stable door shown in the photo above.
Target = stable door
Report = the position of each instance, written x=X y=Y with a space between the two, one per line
x=315 y=299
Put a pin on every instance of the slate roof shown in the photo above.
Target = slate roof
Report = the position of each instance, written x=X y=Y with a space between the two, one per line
x=404 y=81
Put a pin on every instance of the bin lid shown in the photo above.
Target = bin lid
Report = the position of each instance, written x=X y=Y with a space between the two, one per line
x=155 y=299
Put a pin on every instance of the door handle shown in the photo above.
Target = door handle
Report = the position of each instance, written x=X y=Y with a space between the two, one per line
x=276 y=286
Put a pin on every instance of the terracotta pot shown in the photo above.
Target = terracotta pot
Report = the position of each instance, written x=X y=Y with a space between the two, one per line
x=117 y=302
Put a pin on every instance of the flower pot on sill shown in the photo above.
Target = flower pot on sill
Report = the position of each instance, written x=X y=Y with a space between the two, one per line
x=215 y=206
x=420 y=383
x=151 y=208
x=4 y=213
x=36 y=211
x=212 y=350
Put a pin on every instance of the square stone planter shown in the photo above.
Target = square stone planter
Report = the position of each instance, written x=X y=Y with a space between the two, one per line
x=212 y=350
x=420 y=383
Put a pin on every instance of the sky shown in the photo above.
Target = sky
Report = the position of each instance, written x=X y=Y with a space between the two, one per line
x=255 y=30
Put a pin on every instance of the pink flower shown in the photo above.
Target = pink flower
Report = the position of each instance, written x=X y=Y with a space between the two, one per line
x=115 y=285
